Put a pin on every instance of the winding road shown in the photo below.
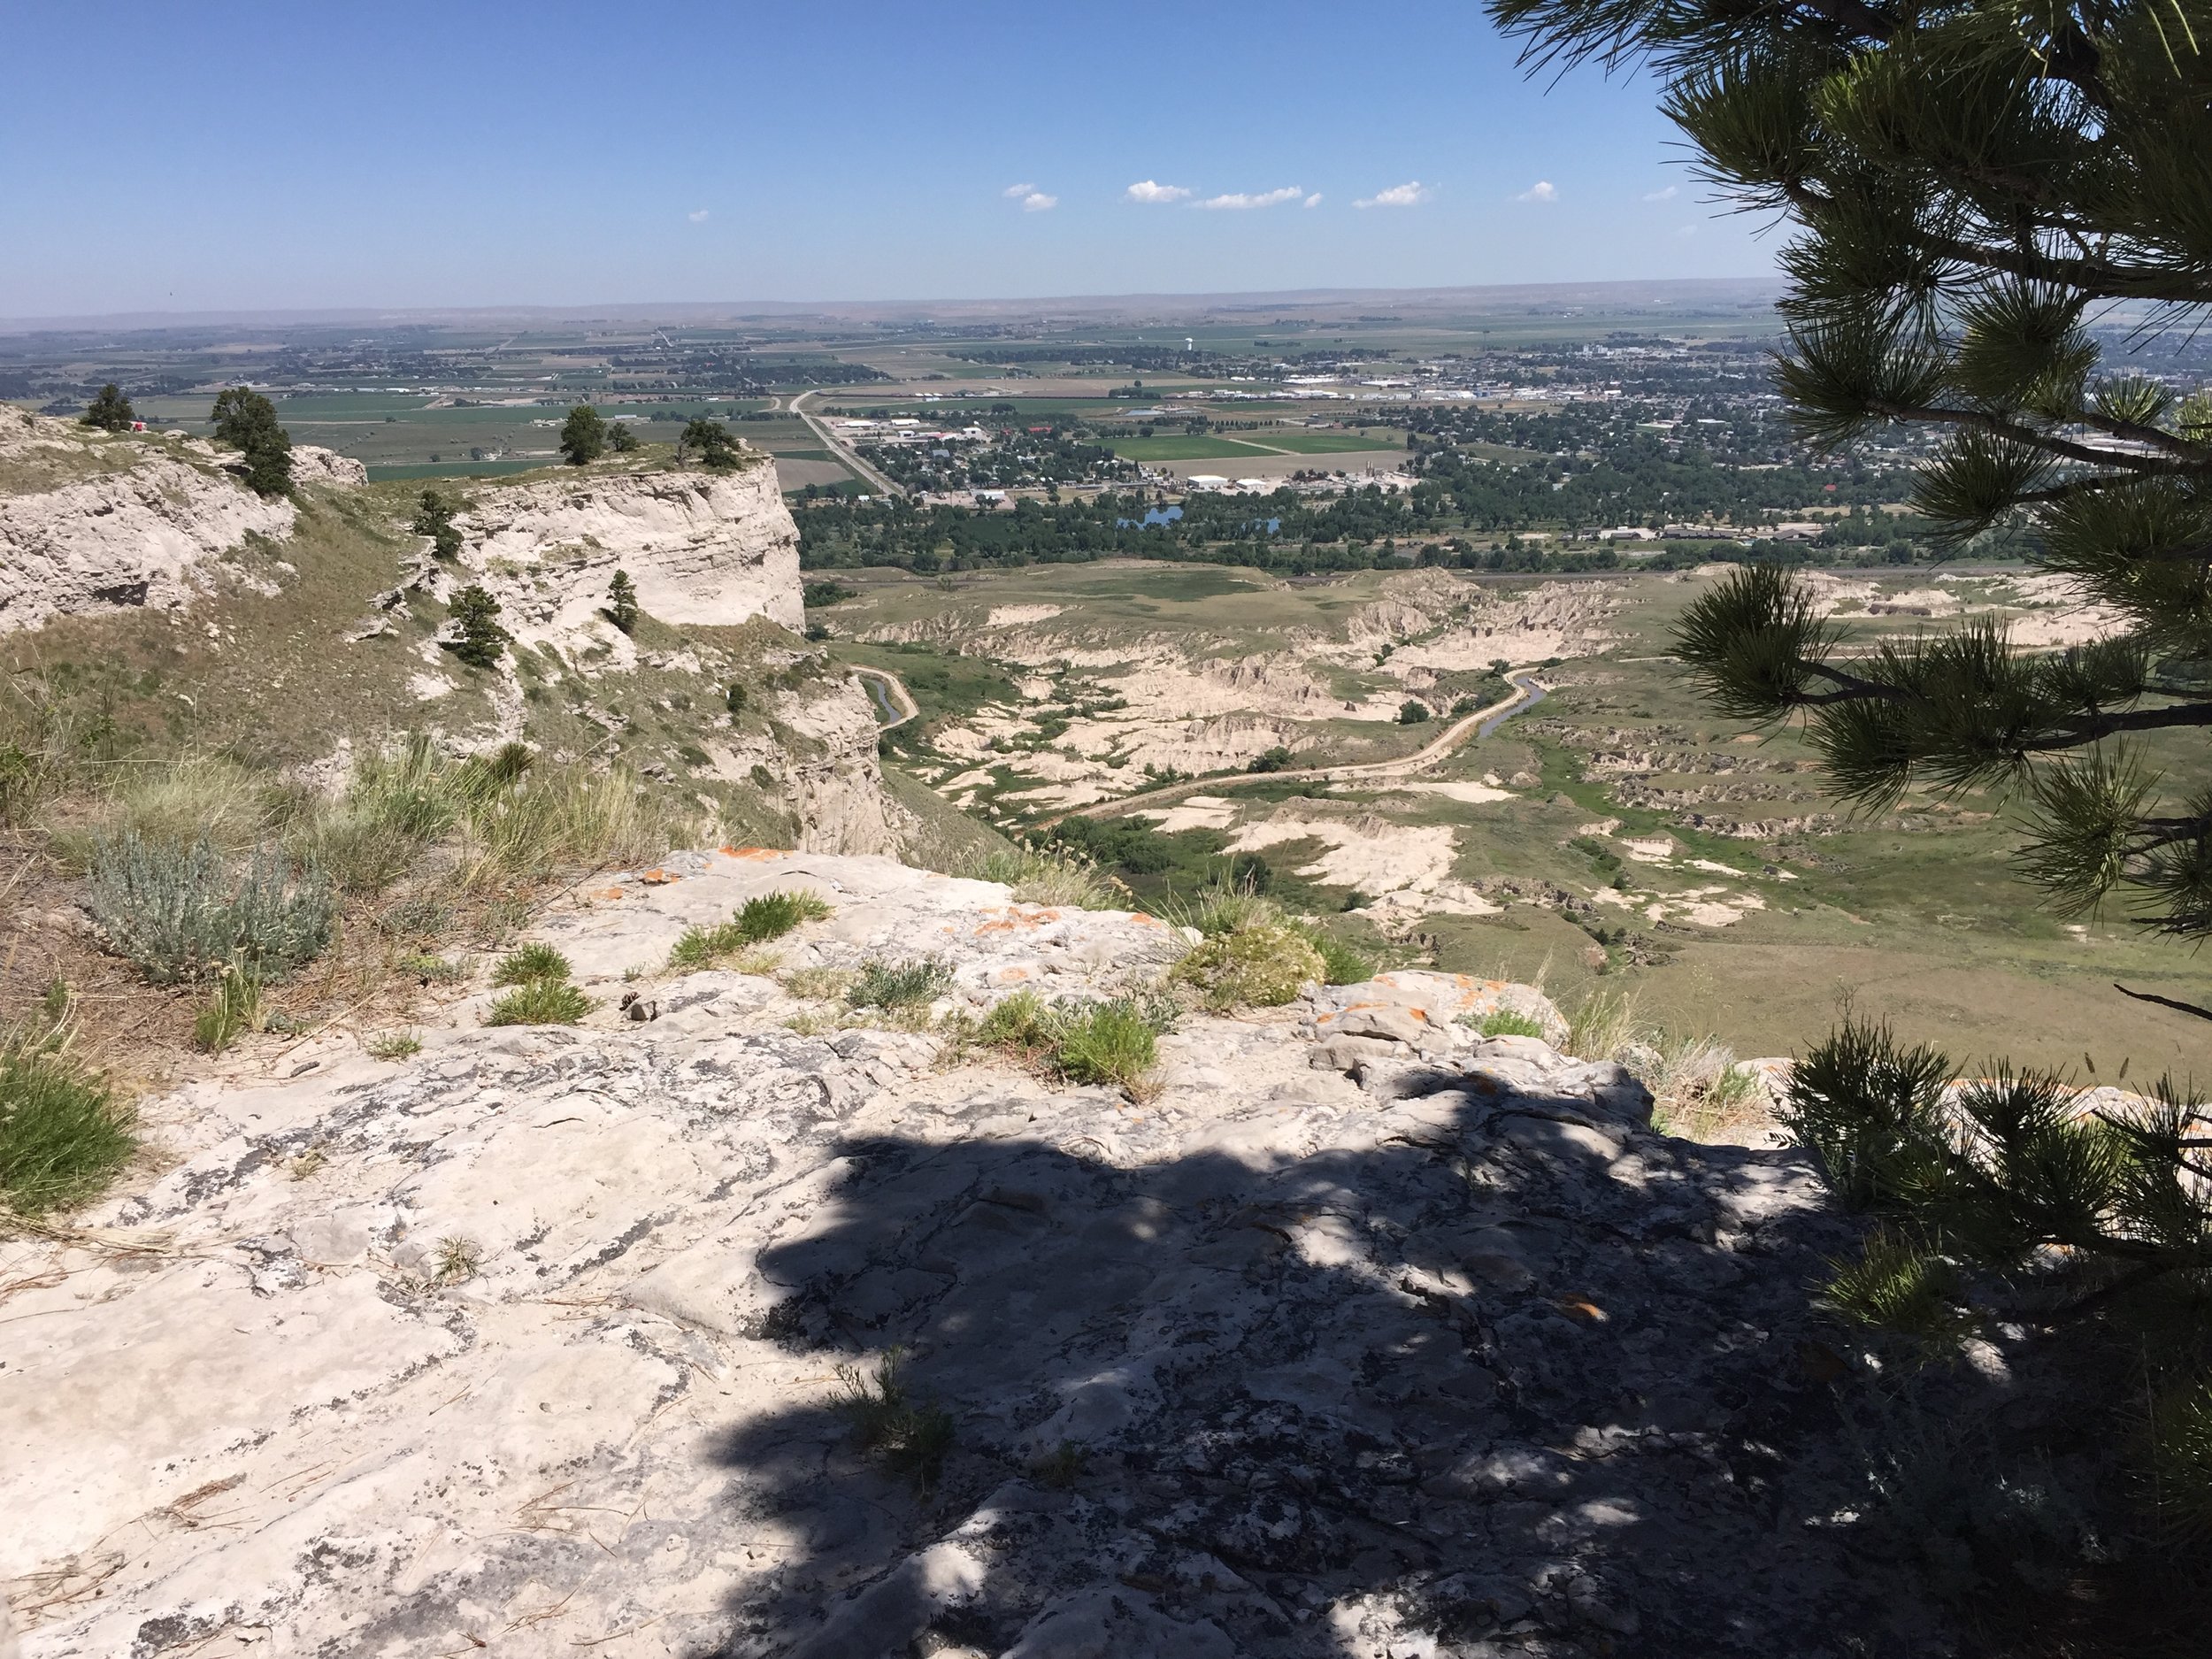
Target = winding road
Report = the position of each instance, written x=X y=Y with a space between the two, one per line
x=1526 y=694
x=889 y=696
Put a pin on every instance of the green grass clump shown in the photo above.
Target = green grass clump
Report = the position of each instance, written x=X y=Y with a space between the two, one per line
x=768 y=916
x=1108 y=1043
x=1059 y=875
x=765 y=917
x=1260 y=966
x=909 y=1436
x=1023 y=1020
x=177 y=912
x=1508 y=1022
x=63 y=1135
x=530 y=964
x=1340 y=964
x=234 y=1010
x=895 y=985
x=539 y=1002
x=393 y=1045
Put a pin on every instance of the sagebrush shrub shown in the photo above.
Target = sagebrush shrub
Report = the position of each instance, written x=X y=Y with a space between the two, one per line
x=1263 y=966
x=179 y=913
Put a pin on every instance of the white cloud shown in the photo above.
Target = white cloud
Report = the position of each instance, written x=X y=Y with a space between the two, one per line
x=697 y=216
x=1152 y=190
x=1015 y=192
x=1313 y=200
x=1265 y=198
x=1038 y=202
x=1543 y=190
x=1667 y=194
x=1410 y=193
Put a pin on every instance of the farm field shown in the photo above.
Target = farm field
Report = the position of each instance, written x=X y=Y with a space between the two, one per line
x=1618 y=840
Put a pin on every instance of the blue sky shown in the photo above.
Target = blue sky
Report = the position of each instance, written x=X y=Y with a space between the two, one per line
x=247 y=156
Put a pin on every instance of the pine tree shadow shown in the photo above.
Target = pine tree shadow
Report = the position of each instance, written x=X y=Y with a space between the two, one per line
x=1499 y=1377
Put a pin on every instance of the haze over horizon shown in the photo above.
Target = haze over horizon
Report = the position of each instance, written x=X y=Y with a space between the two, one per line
x=430 y=158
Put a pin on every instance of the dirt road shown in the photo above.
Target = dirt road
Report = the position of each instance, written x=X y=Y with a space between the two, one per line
x=1527 y=693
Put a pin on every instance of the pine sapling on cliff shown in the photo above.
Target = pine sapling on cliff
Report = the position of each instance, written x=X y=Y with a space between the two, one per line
x=247 y=421
x=583 y=436
x=434 y=517
x=479 y=638
x=709 y=442
x=111 y=410
x=622 y=602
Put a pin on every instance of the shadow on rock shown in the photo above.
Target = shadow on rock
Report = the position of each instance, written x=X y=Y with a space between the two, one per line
x=1478 y=1365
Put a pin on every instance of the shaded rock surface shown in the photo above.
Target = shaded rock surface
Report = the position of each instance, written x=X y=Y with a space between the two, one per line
x=531 y=1341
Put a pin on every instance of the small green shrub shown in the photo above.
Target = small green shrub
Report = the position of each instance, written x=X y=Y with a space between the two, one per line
x=1109 y=1042
x=232 y=1009
x=768 y=916
x=531 y=963
x=1340 y=964
x=1260 y=966
x=539 y=1002
x=1023 y=1020
x=431 y=969
x=888 y=985
x=1412 y=713
x=910 y=1437
x=393 y=1045
x=179 y=914
x=1509 y=1022
x=63 y=1135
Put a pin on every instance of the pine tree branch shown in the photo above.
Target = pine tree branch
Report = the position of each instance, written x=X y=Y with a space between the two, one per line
x=1978 y=420
x=2157 y=437
x=2095 y=277
x=2163 y=1001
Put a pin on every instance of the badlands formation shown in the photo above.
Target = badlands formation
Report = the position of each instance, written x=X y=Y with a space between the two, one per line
x=1362 y=1335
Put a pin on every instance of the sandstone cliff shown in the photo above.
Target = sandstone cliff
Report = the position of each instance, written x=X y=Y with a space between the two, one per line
x=1365 y=1336
x=107 y=524
x=703 y=549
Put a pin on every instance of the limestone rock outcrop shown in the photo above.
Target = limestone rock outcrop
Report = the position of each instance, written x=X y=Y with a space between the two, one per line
x=532 y=1342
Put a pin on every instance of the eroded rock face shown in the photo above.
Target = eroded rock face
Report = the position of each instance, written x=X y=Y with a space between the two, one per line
x=107 y=535
x=531 y=1341
x=702 y=547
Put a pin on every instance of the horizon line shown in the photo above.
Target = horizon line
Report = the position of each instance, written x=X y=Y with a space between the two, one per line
x=642 y=311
